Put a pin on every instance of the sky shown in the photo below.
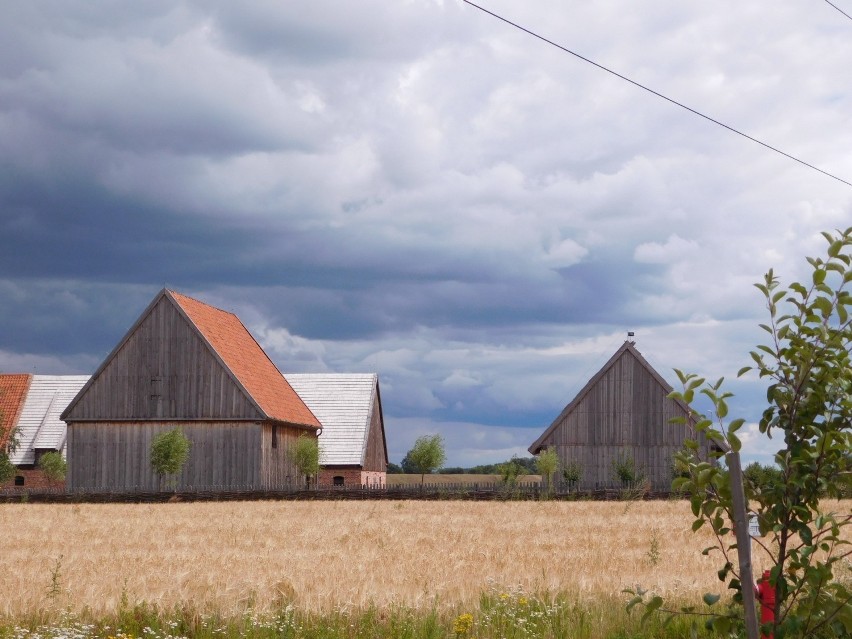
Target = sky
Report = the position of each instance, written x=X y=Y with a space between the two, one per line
x=417 y=189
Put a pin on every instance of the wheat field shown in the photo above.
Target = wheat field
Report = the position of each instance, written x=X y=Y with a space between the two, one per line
x=227 y=557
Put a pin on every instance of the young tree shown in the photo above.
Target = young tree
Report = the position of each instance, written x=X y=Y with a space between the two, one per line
x=547 y=463
x=306 y=455
x=427 y=455
x=807 y=365
x=511 y=470
x=7 y=468
x=169 y=452
x=53 y=466
x=624 y=469
x=572 y=472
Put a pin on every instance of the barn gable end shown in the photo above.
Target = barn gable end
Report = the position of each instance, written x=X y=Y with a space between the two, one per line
x=375 y=447
x=622 y=413
x=162 y=369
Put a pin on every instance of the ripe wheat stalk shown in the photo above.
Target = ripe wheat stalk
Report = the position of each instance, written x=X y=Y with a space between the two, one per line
x=228 y=557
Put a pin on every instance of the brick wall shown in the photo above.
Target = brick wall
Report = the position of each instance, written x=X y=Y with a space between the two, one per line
x=33 y=478
x=352 y=477
x=373 y=478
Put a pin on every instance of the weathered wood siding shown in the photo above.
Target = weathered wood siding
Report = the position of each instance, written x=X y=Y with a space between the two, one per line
x=625 y=414
x=374 y=455
x=277 y=467
x=164 y=371
x=105 y=455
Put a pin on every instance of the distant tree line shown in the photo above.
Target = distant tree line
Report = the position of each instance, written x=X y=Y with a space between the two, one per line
x=523 y=466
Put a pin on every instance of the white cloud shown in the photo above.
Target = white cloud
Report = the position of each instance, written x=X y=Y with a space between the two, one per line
x=674 y=249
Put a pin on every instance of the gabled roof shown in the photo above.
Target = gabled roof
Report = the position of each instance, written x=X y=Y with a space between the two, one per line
x=344 y=403
x=627 y=347
x=39 y=425
x=248 y=362
x=13 y=390
x=242 y=358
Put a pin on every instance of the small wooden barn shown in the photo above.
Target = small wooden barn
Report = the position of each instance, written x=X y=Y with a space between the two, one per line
x=621 y=416
x=187 y=365
x=353 y=451
x=30 y=406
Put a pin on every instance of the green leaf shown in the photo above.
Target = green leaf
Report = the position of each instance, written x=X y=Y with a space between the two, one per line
x=710 y=599
x=735 y=442
x=633 y=602
x=735 y=425
x=698 y=523
x=652 y=606
x=743 y=371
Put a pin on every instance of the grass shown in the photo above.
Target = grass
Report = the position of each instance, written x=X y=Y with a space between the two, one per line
x=498 y=614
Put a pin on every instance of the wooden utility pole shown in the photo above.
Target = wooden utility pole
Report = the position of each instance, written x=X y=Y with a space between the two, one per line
x=743 y=543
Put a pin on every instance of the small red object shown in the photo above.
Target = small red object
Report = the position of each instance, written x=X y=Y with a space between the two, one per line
x=766 y=595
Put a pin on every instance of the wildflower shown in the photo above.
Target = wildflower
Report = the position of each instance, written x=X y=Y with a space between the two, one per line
x=504 y=596
x=522 y=601
x=463 y=624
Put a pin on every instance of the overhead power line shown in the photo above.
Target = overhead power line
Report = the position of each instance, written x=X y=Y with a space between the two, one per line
x=656 y=93
x=839 y=9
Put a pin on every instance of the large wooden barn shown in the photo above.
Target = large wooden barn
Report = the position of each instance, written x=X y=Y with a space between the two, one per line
x=187 y=365
x=30 y=406
x=621 y=415
x=353 y=451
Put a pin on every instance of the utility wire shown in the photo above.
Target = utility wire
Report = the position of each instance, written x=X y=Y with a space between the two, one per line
x=657 y=93
x=839 y=9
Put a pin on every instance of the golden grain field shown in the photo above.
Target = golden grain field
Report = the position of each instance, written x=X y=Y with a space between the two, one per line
x=226 y=556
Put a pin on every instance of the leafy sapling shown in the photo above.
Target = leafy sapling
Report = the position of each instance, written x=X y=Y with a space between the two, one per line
x=807 y=366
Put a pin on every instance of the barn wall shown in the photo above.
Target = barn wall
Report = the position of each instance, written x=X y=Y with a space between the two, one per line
x=277 y=467
x=374 y=457
x=164 y=371
x=115 y=456
x=626 y=413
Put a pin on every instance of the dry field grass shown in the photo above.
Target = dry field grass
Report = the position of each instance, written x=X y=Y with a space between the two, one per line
x=224 y=557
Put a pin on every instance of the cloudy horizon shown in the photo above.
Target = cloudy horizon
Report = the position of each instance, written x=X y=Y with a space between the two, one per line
x=419 y=190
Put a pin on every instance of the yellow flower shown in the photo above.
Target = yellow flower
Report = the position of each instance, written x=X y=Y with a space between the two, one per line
x=504 y=596
x=463 y=624
x=522 y=601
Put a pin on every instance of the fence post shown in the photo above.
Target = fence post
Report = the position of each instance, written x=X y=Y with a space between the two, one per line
x=743 y=543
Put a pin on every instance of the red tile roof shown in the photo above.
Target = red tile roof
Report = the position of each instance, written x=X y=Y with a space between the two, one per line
x=241 y=353
x=13 y=391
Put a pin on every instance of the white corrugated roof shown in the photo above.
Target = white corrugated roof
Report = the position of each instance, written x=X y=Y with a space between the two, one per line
x=39 y=425
x=342 y=402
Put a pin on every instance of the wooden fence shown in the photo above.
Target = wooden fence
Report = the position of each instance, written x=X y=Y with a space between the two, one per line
x=461 y=491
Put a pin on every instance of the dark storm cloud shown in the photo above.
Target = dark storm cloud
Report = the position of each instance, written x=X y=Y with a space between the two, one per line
x=311 y=34
x=74 y=230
